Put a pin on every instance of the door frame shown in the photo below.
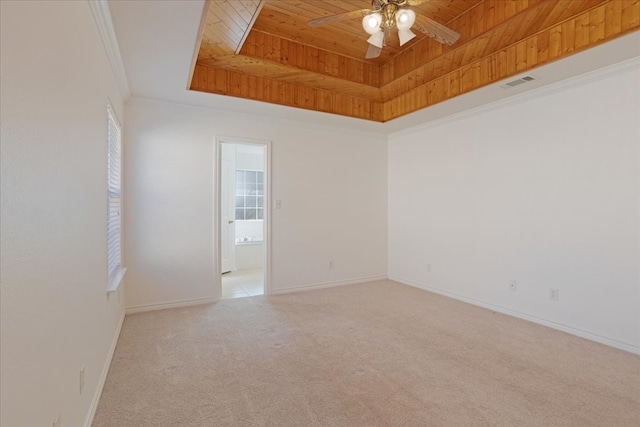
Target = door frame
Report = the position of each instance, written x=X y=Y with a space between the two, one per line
x=217 y=207
x=228 y=203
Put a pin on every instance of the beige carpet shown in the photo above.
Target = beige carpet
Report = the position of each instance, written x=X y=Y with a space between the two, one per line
x=376 y=354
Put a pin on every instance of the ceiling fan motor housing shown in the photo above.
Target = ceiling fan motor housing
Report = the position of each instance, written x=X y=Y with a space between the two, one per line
x=389 y=13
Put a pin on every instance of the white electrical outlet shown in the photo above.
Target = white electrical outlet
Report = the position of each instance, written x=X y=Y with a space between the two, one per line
x=330 y=265
x=82 y=379
x=278 y=204
x=513 y=285
x=58 y=421
x=553 y=294
x=428 y=268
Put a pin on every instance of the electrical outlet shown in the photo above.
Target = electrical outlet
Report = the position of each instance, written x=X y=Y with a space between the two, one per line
x=513 y=285
x=428 y=268
x=330 y=265
x=58 y=421
x=553 y=294
x=278 y=204
x=82 y=379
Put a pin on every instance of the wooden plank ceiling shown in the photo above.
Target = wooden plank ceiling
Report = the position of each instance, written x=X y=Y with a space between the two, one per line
x=264 y=50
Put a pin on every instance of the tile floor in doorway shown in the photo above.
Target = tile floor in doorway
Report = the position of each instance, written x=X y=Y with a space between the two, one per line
x=243 y=283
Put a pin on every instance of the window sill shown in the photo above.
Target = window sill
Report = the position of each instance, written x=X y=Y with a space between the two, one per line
x=116 y=280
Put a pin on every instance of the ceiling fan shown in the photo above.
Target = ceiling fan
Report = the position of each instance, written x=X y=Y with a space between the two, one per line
x=385 y=15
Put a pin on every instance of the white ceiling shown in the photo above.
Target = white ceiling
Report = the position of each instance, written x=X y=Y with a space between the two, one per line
x=157 y=40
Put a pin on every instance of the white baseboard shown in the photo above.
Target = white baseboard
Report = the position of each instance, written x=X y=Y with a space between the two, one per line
x=568 y=329
x=324 y=285
x=103 y=375
x=175 y=304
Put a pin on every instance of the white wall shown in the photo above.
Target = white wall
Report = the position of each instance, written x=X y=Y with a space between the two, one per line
x=55 y=315
x=544 y=191
x=332 y=184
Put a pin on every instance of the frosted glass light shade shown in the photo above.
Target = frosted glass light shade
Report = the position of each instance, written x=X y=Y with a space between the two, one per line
x=405 y=36
x=405 y=18
x=377 y=39
x=371 y=23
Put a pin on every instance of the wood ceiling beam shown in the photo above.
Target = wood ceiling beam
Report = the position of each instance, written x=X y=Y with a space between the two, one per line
x=294 y=27
x=226 y=25
x=542 y=15
x=590 y=28
x=312 y=10
x=241 y=85
x=478 y=20
x=259 y=67
x=446 y=12
x=269 y=47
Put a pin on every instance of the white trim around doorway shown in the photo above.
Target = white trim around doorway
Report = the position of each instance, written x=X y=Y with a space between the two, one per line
x=217 y=205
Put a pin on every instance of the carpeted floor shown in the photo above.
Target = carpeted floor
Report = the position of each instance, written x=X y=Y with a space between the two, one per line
x=376 y=354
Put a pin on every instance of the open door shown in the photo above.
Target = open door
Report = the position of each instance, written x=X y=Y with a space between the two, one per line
x=242 y=230
x=227 y=200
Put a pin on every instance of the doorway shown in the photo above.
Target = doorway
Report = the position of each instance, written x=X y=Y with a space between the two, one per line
x=242 y=217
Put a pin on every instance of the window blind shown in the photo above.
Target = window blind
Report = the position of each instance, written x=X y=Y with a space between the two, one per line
x=114 y=246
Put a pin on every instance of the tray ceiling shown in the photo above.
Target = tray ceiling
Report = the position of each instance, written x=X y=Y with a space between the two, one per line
x=265 y=51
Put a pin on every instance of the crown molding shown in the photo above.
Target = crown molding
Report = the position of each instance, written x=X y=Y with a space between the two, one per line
x=102 y=15
x=591 y=76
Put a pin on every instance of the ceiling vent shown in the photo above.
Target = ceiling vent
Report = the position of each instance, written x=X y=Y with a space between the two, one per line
x=517 y=82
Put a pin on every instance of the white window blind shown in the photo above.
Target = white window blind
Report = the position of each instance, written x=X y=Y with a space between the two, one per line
x=114 y=247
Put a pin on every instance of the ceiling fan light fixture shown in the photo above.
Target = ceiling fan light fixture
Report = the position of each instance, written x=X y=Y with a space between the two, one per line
x=405 y=18
x=371 y=23
x=377 y=39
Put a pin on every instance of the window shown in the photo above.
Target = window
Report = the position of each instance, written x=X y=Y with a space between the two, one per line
x=114 y=201
x=249 y=195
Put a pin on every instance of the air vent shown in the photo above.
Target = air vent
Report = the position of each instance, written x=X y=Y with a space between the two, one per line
x=517 y=82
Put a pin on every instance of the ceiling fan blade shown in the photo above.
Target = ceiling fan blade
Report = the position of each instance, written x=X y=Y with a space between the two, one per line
x=339 y=17
x=416 y=2
x=373 y=52
x=436 y=30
